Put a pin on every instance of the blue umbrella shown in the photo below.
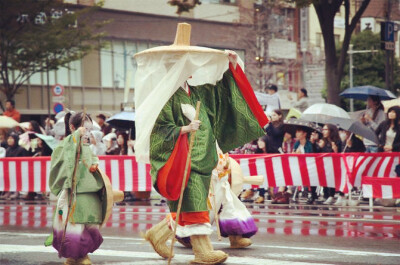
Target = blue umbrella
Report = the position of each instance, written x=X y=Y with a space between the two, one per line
x=363 y=92
x=124 y=119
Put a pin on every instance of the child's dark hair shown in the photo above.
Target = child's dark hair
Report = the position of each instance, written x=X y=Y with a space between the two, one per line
x=75 y=120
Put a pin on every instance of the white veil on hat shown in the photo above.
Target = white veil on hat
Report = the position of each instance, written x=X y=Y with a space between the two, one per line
x=161 y=71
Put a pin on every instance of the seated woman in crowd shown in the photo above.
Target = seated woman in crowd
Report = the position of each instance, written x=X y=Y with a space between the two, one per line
x=388 y=131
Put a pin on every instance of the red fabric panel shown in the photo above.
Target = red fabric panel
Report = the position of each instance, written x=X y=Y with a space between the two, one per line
x=170 y=176
x=191 y=218
x=248 y=94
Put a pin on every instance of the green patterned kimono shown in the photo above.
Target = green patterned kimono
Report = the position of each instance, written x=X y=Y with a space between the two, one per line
x=89 y=185
x=224 y=115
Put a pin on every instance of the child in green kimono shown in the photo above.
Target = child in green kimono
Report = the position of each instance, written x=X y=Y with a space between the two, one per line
x=82 y=235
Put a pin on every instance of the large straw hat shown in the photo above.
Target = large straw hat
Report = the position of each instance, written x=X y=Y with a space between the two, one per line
x=237 y=178
x=181 y=43
x=110 y=197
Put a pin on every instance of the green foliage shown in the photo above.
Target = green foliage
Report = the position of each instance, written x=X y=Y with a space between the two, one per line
x=41 y=35
x=368 y=68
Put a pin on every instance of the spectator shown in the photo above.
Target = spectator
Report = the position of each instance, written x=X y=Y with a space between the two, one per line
x=372 y=118
x=42 y=149
x=273 y=101
x=105 y=128
x=96 y=145
x=288 y=143
x=302 y=100
x=34 y=127
x=351 y=143
x=13 y=150
x=330 y=143
x=304 y=146
x=388 y=131
x=11 y=111
x=249 y=148
x=110 y=140
x=49 y=126
x=122 y=141
x=275 y=132
x=261 y=148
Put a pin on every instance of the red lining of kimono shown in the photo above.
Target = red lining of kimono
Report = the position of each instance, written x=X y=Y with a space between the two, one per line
x=191 y=218
x=170 y=176
x=248 y=94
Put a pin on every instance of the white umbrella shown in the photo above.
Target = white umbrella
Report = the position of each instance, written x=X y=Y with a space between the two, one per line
x=322 y=112
x=7 y=122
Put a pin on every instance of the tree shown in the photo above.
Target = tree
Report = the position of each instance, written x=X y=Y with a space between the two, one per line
x=368 y=68
x=39 y=36
x=334 y=64
x=326 y=11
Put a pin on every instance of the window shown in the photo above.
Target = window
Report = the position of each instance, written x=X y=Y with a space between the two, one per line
x=318 y=39
x=106 y=67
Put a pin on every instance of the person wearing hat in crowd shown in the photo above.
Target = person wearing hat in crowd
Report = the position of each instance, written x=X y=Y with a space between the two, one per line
x=224 y=115
x=302 y=100
x=272 y=98
x=101 y=120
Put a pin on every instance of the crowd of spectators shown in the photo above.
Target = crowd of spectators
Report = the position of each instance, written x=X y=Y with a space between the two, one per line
x=30 y=139
x=329 y=139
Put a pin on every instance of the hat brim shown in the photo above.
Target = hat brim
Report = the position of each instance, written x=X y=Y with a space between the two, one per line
x=179 y=49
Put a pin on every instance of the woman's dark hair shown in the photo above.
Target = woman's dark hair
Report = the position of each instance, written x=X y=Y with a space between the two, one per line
x=35 y=126
x=75 y=120
x=304 y=91
x=280 y=121
x=396 y=128
x=333 y=133
x=379 y=105
x=124 y=148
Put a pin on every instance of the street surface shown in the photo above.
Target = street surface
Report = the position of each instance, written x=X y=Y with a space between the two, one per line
x=288 y=234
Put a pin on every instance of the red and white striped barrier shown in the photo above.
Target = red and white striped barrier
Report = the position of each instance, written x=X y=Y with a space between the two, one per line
x=378 y=164
x=334 y=170
x=339 y=171
x=32 y=173
x=328 y=170
x=383 y=188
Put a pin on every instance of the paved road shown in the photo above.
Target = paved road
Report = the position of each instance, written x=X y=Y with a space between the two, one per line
x=288 y=234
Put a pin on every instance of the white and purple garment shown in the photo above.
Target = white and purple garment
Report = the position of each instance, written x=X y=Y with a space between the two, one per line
x=234 y=218
x=80 y=239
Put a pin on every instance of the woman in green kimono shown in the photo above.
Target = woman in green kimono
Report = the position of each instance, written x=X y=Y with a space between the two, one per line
x=80 y=235
x=230 y=114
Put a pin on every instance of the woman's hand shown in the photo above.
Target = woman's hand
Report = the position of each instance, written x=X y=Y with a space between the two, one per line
x=82 y=131
x=334 y=147
x=232 y=57
x=388 y=148
x=321 y=143
x=131 y=143
x=192 y=127
x=93 y=168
